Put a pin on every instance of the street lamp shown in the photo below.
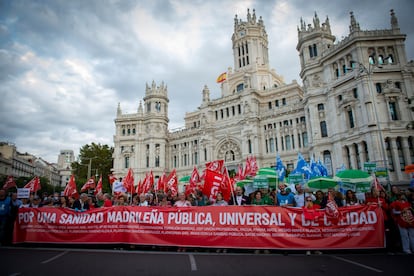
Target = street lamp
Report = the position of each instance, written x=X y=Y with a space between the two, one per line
x=369 y=71
x=90 y=165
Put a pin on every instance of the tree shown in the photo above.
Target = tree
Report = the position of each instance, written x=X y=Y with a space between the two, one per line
x=93 y=159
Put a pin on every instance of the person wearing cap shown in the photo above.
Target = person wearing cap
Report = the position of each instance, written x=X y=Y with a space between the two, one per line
x=285 y=198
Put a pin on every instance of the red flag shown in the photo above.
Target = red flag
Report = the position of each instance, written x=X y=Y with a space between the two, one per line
x=90 y=184
x=332 y=208
x=33 y=185
x=376 y=184
x=99 y=186
x=194 y=179
x=172 y=183
x=128 y=181
x=138 y=188
x=240 y=174
x=215 y=166
x=212 y=184
x=253 y=166
x=9 y=183
x=225 y=186
x=161 y=182
x=247 y=168
x=112 y=179
x=70 y=189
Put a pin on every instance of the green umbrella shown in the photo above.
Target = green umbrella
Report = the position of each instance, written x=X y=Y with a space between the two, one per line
x=266 y=171
x=243 y=182
x=322 y=183
x=355 y=180
x=352 y=174
x=184 y=179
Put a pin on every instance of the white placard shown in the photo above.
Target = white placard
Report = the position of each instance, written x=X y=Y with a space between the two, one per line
x=23 y=192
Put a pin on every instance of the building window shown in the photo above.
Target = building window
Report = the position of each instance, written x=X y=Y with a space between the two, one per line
x=123 y=131
x=216 y=115
x=148 y=107
x=147 y=161
x=283 y=101
x=249 y=144
x=221 y=113
x=129 y=131
x=233 y=110
x=351 y=118
x=239 y=87
x=371 y=60
x=126 y=162
x=157 y=161
x=175 y=161
x=270 y=105
x=378 y=87
x=271 y=145
x=133 y=131
x=196 y=158
x=205 y=154
x=277 y=103
x=321 y=107
x=305 y=139
x=239 y=108
x=158 y=106
x=227 y=112
x=288 y=142
x=355 y=92
x=393 y=111
x=324 y=131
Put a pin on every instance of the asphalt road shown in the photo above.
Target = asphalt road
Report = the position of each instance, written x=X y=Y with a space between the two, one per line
x=97 y=262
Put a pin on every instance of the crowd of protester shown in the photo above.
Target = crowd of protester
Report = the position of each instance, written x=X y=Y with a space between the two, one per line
x=397 y=205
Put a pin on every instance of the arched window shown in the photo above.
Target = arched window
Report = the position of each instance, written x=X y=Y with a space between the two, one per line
x=371 y=60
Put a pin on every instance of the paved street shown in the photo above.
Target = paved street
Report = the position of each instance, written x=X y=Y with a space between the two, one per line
x=73 y=261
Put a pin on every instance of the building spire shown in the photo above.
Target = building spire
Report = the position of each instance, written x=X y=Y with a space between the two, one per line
x=119 y=111
x=394 y=20
x=354 y=27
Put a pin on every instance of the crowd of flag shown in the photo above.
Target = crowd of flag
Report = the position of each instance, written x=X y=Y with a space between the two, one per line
x=213 y=179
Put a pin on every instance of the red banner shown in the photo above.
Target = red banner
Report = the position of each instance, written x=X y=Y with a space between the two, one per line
x=211 y=226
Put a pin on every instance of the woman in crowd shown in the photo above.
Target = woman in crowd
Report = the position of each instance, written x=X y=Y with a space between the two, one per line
x=182 y=202
x=350 y=198
x=220 y=200
x=258 y=199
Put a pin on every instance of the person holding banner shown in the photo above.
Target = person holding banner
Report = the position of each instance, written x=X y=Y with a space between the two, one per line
x=239 y=198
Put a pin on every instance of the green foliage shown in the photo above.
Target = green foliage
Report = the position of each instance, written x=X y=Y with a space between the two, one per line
x=96 y=160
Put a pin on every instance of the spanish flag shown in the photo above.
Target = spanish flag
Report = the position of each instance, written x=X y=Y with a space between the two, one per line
x=222 y=77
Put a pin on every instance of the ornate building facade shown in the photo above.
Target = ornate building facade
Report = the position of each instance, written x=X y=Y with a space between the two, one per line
x=355 y=94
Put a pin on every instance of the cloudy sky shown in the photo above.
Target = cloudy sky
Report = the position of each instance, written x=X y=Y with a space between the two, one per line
x=65 y=65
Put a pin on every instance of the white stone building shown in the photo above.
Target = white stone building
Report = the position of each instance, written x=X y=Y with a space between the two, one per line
x=355 y=93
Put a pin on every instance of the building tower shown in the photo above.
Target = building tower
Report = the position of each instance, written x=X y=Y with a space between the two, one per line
x=140 y=140
x=356 y=95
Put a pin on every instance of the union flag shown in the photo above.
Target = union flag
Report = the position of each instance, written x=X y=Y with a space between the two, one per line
x=9 y=183
x=33 y=185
